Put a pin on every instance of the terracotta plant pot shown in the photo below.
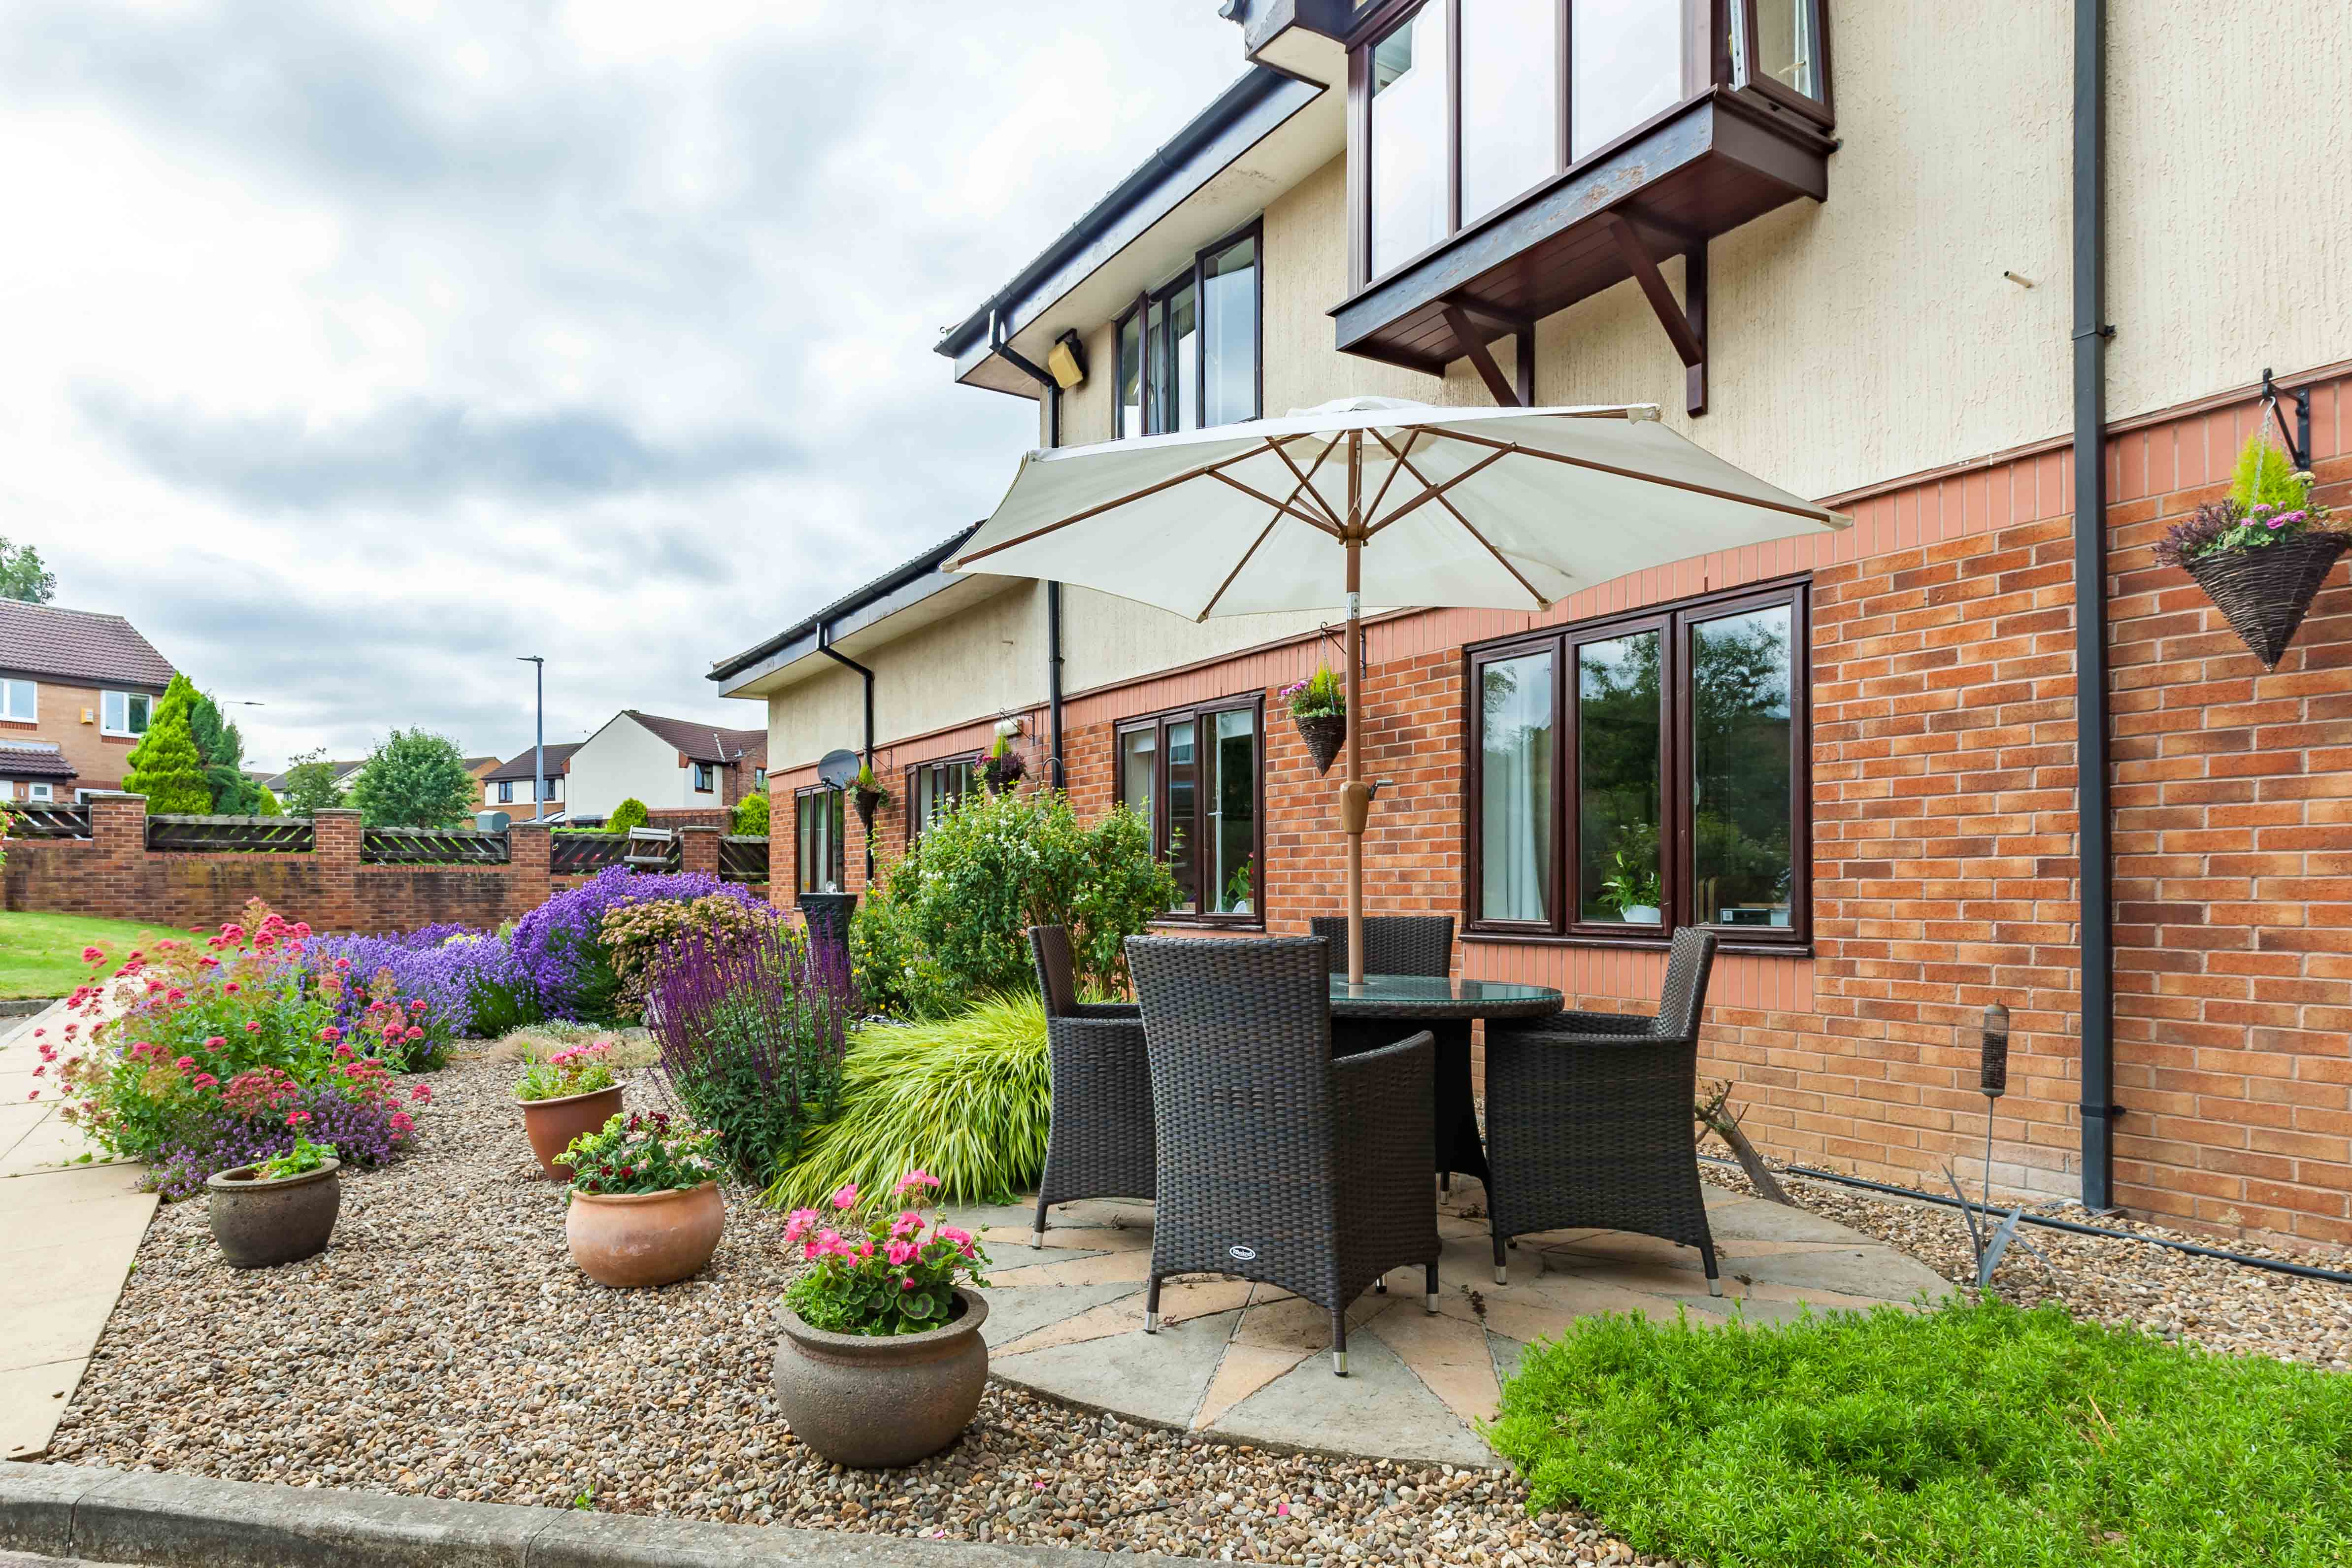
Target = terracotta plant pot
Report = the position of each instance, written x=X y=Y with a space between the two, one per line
x=875 y=1402
x=636 y=1239
x=260 y=1225
x=552 y=1124
x=1324 y=733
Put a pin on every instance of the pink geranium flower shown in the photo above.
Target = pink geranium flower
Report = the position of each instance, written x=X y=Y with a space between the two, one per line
x=912 y=1180
x=845 y=1195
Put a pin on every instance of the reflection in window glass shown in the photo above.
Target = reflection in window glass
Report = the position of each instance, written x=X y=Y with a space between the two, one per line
x=1185 y=359
x=1740 y=773
x=1183 y=809
x=1514 y=798
x=1626 y=57
x=1617 y=796
x=1787 y=45
x=1510 y=101
x=1229 y=328
x=819 y=841
x=1232 y=794
x=1138 y=754
x=938 y=788
x=1408 y=136
x=1130 y=377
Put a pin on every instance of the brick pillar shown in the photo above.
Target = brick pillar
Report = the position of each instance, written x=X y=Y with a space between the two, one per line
x=117 y=882
x=335 y=840
x=529 y=847
x=698 y=849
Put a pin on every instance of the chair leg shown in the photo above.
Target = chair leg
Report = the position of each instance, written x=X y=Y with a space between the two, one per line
x=1707 y=1255
x=1339 y=1341
x=1502 y=1264
x=1037 y=1232
x=1151 y=1306
x=1429 y=1303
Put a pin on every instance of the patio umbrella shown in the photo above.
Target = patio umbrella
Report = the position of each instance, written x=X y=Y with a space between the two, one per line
x=1376 y=500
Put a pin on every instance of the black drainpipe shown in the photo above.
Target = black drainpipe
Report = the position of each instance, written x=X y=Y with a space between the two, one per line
x=824 y=646
x=1052 y=590
x=2095 y=862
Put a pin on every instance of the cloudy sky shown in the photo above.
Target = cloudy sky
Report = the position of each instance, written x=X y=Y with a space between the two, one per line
x=352 y=350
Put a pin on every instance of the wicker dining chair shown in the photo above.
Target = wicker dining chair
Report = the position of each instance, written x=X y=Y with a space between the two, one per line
x=1098 y=1144
x=1277 y=1162
x=1394 y=944
x=1588 y=1118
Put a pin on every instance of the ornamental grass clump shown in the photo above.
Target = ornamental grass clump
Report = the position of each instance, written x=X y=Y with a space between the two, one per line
x=898 y=1276
x=754 y=1025
x=638 y=1153
x=968 y=1098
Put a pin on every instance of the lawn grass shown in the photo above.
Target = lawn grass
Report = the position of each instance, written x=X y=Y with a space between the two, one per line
x=40 y=955
x=1973 y=1435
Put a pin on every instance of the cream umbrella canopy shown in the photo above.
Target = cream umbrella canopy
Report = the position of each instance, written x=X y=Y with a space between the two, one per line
x=1375 y=500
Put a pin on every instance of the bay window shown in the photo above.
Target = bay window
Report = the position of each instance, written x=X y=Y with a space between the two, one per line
x=818 y=837
x=1646 y=771
x=1196 y=777
x=1188 y=351
x=935 y=788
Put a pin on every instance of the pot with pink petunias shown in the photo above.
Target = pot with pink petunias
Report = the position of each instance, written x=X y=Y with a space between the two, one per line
x=881 y=1360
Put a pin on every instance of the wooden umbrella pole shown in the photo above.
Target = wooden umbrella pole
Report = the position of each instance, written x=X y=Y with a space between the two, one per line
x=1355 y=800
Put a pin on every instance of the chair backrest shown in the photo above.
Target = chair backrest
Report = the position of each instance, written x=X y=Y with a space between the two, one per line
x=1394 y=944
x=1238 y=1034
x=1682 y=1002
x=1049 y=948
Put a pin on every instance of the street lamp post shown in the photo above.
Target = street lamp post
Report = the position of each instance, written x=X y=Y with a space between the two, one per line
x=538 y=740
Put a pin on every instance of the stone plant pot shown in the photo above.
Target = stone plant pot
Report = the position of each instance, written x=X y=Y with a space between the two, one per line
x=552 y=1124
x=876 y=1402
x=260 y=1225
x=631 y=1240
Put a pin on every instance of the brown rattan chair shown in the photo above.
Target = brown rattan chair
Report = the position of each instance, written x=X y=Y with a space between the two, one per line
x=1278 y=1162
x=1588 y=1118
x=1099 y=1143
x=1394 y=944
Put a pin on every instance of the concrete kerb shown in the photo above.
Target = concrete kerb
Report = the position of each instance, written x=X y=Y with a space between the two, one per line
x=192 y=1521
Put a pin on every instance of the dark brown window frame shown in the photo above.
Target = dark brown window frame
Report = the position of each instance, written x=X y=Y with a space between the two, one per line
x=964 y=759
x=1708 y=66
x=706 y=778
x=839 y=868
x=1673 y=620
x=1255 y=704
x=1139 y=312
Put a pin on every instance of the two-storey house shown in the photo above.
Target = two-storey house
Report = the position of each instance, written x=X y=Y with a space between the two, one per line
x=76 y=688
x=2006 y=285
x=669 y=764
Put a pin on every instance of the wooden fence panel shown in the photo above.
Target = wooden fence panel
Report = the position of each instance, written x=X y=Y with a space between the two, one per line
x=577 y=853
x=432 y=847
x=743 y=858
x=217 y=834
x=27 y=821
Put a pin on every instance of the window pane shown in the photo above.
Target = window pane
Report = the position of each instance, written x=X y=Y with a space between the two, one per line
x=1138 y=754
x=1626 y=57
x=1130 y=376
x=139 y=702
x=1232 y=804
x=1741 y=779
x=1617 y=780
x=1510 y=100
x=109 y=710
x=1409 y=138
x=1787 y=45
x=1182 y=815
x=1162 y=392
x=1184 y=356
x=1514 y=798
x=1229 y=328
x=16 y=698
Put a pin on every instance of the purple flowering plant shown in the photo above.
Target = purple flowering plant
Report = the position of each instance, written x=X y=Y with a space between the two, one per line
x=557 y=947
x=467 y=981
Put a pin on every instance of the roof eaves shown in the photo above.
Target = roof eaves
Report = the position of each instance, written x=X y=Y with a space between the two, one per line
x=890 y=582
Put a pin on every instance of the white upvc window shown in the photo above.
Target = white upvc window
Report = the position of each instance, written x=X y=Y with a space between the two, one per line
x=40 y=792
x=19 y=701
x=123 y=713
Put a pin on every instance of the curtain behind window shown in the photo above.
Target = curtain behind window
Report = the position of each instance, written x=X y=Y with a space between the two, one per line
x=1515 y=788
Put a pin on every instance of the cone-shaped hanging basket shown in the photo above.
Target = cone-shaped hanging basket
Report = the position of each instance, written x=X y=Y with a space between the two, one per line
x=1324 y=733
x=2266 y=592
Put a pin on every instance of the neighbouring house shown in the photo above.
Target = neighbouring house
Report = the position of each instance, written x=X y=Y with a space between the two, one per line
x=76 y=687
x=347 y=773
x=671 y=764
x=1849 y=273
x=508 y=786
x=481 y=767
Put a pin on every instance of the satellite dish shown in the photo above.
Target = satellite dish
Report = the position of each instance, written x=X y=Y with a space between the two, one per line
x=837 y=769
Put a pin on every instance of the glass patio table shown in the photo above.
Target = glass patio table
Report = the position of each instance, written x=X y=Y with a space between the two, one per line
x=1386 y=1008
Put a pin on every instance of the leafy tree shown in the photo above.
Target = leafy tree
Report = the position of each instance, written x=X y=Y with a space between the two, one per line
x=23 y=577
x=751 y=815
x=416 y=779
x=267 y=805
x=630 y=813
x=310 y=786
x=223 y=749
x=165 y=765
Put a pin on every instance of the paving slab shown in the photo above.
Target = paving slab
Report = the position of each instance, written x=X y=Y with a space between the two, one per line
x=1381 y=1407
x=1158 y=1378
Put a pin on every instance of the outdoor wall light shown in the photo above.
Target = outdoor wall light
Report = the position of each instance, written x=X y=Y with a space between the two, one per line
x=1008 y=728
x=1066 y=361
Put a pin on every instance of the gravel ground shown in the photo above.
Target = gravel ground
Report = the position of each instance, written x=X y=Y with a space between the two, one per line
x=445 y=1345
x=2202 y=1300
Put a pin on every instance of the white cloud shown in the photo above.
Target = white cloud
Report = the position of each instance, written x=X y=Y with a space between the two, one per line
x=354 y=349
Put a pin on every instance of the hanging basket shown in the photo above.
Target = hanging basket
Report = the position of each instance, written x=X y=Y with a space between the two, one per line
x=867 y=801
x=1324 y=733
x=2266 y=592
x=1001 y=774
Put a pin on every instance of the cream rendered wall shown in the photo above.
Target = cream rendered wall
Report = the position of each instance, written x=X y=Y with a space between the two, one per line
x=624 y=761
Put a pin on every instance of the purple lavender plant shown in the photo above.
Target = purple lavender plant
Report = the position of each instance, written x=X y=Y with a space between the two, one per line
x=556 y=948
x=468 y=979
x=752 y=1028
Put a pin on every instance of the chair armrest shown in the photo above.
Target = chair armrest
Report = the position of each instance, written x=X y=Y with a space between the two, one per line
x=1095 y=1038
x=1130 y=1010
x=1383 y=1098
x=1618 y=1024
x=1390 y=1068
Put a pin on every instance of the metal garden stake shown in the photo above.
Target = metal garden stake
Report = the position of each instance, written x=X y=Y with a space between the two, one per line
x=1986 y=1242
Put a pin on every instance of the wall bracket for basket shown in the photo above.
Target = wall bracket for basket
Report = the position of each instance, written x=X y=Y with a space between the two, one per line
x=2298 y=441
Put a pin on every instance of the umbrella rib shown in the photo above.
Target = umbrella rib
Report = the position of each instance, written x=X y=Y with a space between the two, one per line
x=1811 y=514
x=1308 y=517
x=1382 y=493
x=1306 y=479
x=962 y=562
x=1437 y=493
x=1237 y=568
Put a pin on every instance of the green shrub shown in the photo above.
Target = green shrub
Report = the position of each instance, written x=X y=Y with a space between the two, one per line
x=752 y=816
x=416 y=779
x=266 y=805
x=1976 y=1436
x=630 y=813
x=966 y=1099
x=633 y=934
x=896 y=974
x=310 y=786
x=165 y=765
